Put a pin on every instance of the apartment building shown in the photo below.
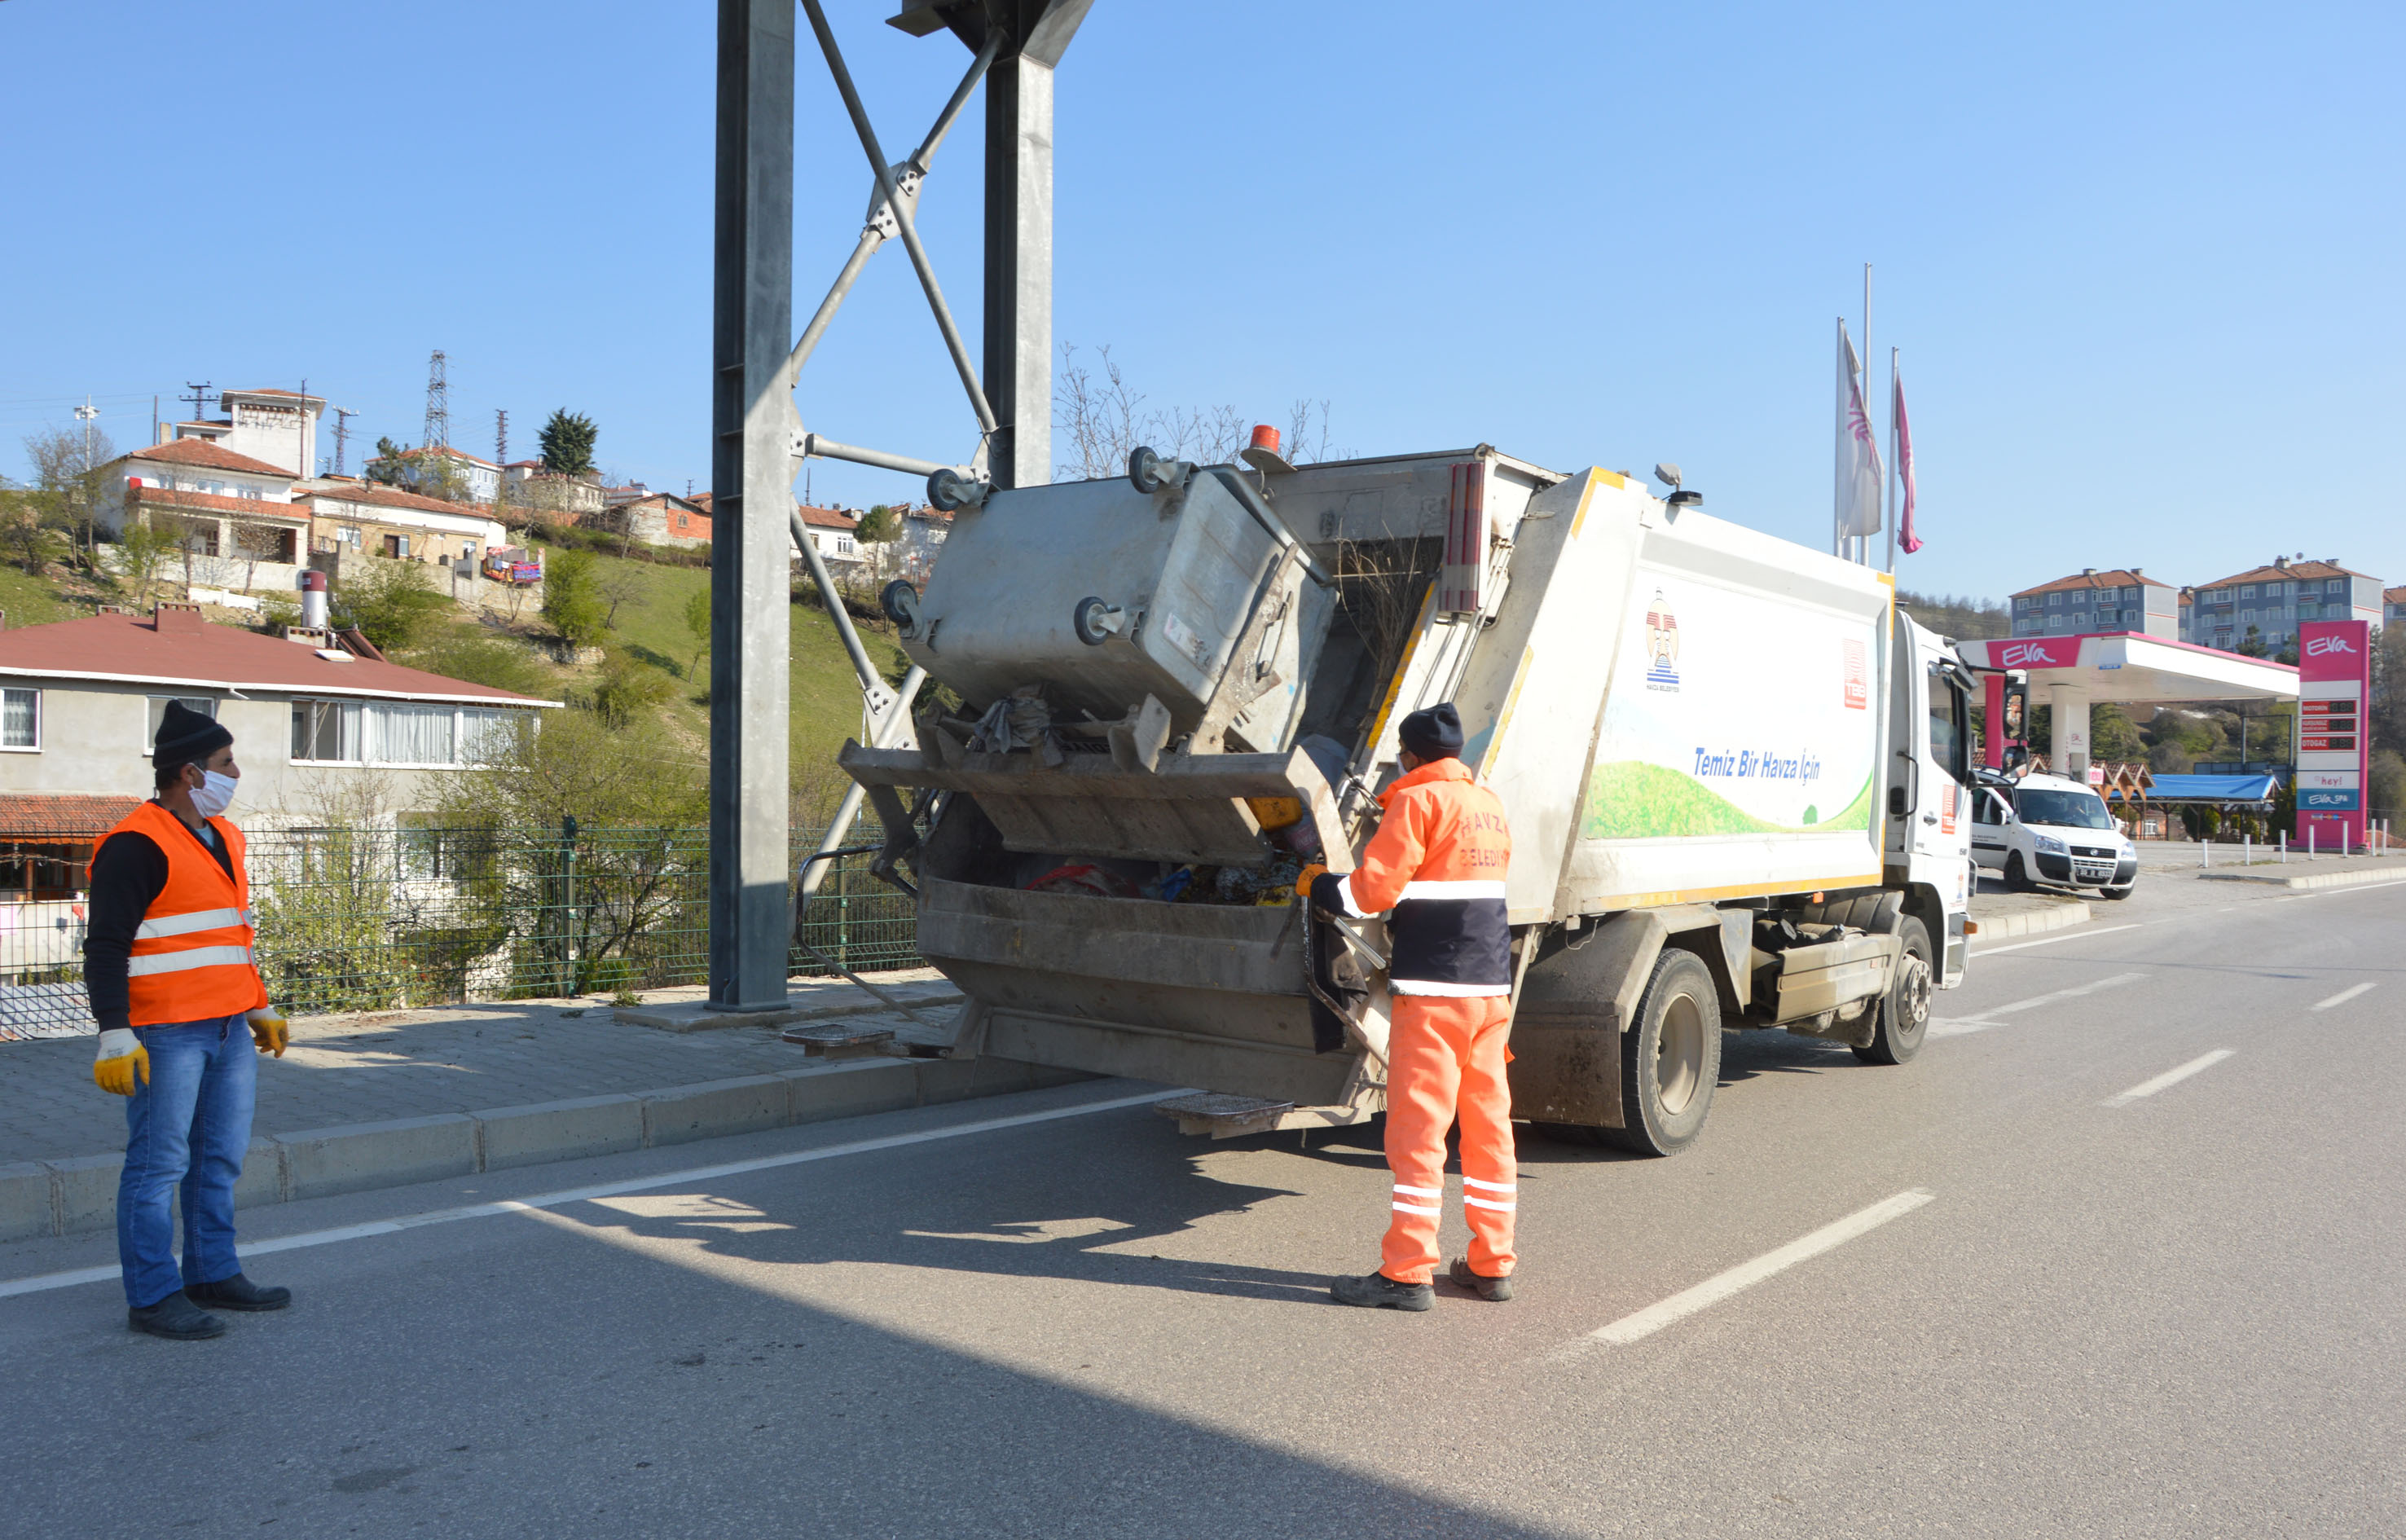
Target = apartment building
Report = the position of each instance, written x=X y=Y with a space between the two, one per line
x=2119 y=598
x=2268 y=602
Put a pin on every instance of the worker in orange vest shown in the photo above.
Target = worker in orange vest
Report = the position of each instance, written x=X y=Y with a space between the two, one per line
x=168 y=962
x=1438 y=862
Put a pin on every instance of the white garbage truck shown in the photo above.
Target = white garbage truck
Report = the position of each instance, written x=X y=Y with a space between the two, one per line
x=1735 y=774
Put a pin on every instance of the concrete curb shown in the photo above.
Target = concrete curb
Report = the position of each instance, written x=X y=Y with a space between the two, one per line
x=696 y=1016
x=2062 y=914
x=73 y=1196
x=2322 y=879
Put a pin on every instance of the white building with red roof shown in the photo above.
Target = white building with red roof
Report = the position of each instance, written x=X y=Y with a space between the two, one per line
x=278 y=428
x=80 y=701
x=236 y=523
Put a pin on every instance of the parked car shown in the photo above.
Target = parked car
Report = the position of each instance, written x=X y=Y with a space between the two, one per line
x=2046 y=830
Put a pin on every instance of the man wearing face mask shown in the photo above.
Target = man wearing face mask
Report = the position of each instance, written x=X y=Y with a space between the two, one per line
x=167 y=960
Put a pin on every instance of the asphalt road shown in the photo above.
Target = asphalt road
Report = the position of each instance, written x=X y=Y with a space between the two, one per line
x=2060 y=1309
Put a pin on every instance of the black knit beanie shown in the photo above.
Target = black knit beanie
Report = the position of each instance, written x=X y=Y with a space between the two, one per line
x=186 y=737
x=1435 y=733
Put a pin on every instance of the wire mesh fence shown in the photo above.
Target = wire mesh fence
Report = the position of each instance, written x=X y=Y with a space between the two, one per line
x=376 y=919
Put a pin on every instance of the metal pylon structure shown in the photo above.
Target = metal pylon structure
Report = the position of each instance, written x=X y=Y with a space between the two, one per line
x=758 y=436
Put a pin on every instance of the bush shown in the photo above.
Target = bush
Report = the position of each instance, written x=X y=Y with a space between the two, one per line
x=628 y=688
x=393 y=604
x=572 y=598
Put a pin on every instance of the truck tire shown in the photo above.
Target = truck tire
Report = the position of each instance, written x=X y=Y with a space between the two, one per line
x=1670 y=1059
x=2017 y=875
x=1905 y=1012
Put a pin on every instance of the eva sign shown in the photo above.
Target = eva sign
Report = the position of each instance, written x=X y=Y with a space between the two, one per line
x=2335 y=679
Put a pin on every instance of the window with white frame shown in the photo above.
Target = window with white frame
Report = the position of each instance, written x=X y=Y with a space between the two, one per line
x=158 y=714
x=21 y=719
x=402 y=734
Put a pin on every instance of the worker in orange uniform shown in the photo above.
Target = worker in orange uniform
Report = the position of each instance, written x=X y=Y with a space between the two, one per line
x=1438 y=862
x=168 y=962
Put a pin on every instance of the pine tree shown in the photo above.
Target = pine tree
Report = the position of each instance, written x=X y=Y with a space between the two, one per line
x=567 y=443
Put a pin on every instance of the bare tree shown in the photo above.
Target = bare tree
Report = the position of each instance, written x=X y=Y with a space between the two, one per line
x=258 y=542
x=617 y=585
x=68 y=474
x=1101 y=418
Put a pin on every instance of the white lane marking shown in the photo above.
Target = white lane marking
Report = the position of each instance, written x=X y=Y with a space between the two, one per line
x=1653 y=1319
x=1982 y=1022
x=2080 y=934
x=585 y=1195
x=2169 y=1077
x=2343 y=997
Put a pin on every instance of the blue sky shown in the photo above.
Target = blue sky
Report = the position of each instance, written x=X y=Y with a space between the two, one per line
x=2143 y=263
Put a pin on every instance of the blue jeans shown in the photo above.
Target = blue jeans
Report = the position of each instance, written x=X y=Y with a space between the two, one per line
x=189 y=1126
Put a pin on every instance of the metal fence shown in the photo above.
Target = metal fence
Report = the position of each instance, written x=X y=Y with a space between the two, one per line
x=382 y=919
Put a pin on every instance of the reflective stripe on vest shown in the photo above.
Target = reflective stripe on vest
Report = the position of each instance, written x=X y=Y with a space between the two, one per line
x=184 y=924
x=183 y=962
x=191 y=955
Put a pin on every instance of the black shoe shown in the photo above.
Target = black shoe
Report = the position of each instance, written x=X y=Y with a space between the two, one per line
x=239 y=1294
x=176 y=1317
x=1497 y=1288
x=1378 y=1292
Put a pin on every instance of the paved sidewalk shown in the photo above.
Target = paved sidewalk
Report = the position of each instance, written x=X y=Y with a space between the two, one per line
x=349 y=1069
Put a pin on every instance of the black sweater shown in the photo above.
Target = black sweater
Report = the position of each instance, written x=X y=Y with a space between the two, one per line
x=127 y=877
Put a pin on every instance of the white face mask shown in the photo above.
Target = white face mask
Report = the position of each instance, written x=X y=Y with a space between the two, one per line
x=214 y=795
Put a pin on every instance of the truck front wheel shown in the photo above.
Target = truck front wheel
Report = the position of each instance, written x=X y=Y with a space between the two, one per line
x=1905 y=1010
x=1670 y=1059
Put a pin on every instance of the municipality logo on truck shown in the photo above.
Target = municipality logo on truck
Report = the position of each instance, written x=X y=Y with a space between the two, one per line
x=1739 y=722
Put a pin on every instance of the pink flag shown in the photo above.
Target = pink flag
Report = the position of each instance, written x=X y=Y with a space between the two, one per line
x=1903 y=430
x=1860 y=473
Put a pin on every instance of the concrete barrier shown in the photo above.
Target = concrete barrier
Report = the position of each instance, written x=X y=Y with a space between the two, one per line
x=26 y=1206
x=715 y=1109
x=851 y=1088
x=321 y=1162
x=84 y=1191
x=561 y=1130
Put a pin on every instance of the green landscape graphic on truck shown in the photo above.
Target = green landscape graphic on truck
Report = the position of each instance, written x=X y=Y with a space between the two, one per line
x=1769 y=735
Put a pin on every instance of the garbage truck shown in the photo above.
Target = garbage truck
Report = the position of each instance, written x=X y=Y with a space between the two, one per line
x=1734 y=772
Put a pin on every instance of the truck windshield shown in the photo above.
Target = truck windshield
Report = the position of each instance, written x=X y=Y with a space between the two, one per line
x=2062 y=809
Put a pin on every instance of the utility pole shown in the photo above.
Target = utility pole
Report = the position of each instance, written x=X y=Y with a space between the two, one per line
x=199 y=397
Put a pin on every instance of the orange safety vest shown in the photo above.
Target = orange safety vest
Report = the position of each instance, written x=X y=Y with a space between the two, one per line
x=191 y=955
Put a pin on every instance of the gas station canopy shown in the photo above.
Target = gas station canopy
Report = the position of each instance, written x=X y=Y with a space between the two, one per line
x=2128 y=666
x=2072 y=673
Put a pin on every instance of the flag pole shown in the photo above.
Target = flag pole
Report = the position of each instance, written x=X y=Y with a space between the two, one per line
x=1895 y=469
x=1863 y=543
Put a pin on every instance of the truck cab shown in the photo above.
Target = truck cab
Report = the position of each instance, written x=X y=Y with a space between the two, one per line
x=2047 y=829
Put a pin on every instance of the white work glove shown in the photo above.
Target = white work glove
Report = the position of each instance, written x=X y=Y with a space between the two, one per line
x=121 y=1057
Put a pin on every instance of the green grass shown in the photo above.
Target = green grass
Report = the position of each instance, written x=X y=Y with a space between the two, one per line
x=824 y=696
x=1632 y=800
x=30 y=601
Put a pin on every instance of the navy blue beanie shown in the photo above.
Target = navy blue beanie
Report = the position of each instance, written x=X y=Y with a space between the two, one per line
x=1435 y=733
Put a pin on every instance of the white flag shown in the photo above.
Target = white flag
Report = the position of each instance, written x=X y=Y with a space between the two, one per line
x=1858 y=459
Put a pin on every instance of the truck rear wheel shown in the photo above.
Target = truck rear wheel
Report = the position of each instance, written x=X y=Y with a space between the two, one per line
x=1905 y=1010
x=1670 y=1059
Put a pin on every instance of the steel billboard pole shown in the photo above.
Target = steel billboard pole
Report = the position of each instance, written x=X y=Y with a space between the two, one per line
x=751 y=476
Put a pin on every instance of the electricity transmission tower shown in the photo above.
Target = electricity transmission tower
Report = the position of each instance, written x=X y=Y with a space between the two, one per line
x=438 y=404
x=342 y=416
x=199 y=397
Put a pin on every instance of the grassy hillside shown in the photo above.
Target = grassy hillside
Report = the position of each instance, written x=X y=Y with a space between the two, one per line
x=650 y=625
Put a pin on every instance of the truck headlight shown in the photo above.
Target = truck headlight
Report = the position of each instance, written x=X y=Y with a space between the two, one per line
x=2048 y=845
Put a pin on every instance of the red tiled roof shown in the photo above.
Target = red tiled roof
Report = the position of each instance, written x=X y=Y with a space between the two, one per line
x=269 y=391
x=446 y=449
x=190 y=651
x=2393 y=596
x=702 y=499
x=828 y=518
x=2280 y=574
x=62 y=816
x=377 y=496
x=158 y=496
x=2115 y=578
x=203 y=453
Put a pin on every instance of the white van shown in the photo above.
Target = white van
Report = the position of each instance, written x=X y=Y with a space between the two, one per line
x=2044 y=829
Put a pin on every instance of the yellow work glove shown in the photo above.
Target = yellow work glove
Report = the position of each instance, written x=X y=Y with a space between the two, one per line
x=121 y=1057
x=269 y=1030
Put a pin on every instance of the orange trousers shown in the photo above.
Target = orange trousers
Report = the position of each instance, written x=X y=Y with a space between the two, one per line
x=1445 y=1054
